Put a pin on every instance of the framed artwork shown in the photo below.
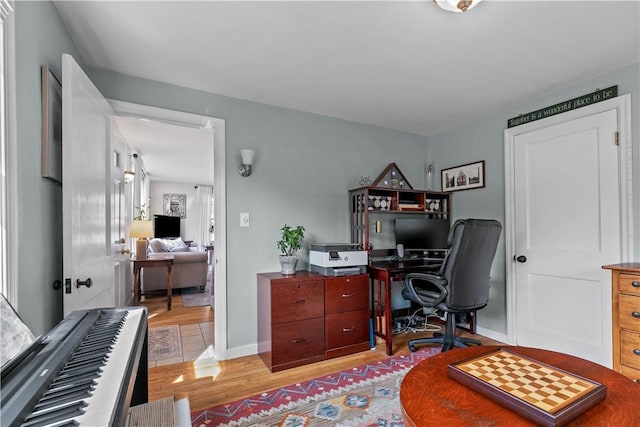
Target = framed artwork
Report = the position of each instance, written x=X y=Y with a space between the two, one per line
x=175 y=205
x=51 y=126
x=463 y=177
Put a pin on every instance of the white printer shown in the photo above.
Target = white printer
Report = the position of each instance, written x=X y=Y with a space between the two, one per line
x=338 y=259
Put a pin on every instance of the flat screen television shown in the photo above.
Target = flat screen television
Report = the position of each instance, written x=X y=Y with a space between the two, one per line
x=420 y=234
x=166 y=226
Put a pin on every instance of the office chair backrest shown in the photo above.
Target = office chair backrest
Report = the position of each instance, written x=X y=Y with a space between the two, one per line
x=468 y=263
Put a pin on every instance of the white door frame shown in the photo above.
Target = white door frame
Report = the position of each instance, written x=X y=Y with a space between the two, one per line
x=219 y=193
x=623 y=106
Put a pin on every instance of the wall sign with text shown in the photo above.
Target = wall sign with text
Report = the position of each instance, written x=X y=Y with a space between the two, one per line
x=563 y=107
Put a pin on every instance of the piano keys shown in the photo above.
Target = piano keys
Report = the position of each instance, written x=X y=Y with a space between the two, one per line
x=86 y=371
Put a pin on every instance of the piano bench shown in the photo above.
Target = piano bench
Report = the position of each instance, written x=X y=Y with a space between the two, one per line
x=168 y=412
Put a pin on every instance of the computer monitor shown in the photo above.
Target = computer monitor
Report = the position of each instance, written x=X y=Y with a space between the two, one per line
x=420 y=234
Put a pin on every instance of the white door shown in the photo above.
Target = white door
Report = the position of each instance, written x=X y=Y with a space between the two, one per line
x=567 y=225
x=120 y=218
x=86 y=183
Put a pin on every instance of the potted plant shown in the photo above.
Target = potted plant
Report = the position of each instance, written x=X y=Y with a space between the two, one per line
x=289 y=244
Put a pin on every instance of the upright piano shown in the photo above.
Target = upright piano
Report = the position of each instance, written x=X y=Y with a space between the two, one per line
x=86 y=371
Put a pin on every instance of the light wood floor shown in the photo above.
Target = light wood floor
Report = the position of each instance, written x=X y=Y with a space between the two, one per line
x=209 y=382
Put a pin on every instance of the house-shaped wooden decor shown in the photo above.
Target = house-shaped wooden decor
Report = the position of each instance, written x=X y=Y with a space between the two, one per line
x=392 y=177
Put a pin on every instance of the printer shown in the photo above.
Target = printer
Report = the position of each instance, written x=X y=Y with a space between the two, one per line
x=338 y=259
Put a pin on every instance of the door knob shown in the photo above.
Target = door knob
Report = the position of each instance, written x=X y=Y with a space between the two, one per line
x=125 y=251
x=521 y=258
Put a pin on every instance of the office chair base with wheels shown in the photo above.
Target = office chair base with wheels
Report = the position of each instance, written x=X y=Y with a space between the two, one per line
x=448 y=340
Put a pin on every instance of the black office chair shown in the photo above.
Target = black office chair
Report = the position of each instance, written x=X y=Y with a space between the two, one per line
x=462 y=284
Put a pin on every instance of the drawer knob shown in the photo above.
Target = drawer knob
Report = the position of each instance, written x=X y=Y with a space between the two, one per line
x=636 y=314
x=347 y=295
x=299 y=340
x=298 y=301
x=351 y=329
x=635 y=284
x=636 y=351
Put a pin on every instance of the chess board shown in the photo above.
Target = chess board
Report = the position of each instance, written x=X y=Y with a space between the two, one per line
x=537 y=391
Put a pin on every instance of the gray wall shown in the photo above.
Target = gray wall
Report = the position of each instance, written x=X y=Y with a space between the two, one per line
x=484 y=140
x=305 y=164
x=40 y=40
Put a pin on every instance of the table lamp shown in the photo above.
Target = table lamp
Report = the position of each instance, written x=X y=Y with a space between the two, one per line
x=142 y=229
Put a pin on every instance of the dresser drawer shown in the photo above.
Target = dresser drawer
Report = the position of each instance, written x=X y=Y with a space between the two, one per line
x=630 y=349
x=629 y=284
x=347 y=293
x=291 y=301
x=345 y=329
x=629 y=312
x=297 y=341
x=632 y=374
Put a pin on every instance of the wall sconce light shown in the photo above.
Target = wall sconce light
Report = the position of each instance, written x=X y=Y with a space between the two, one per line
x=128 y=176
x=247 y=161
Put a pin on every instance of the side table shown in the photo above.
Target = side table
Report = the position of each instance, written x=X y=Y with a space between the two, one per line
x=209 y=248
x=157 y=261
x=427 y=393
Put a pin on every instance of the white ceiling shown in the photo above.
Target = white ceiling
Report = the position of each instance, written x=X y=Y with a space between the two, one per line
x=408 y=66
x=171 y=153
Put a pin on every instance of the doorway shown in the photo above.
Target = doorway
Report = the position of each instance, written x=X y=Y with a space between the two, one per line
x=217 y=126
x=568 y=212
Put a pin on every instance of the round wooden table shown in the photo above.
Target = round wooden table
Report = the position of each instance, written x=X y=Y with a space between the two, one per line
x=428 y=396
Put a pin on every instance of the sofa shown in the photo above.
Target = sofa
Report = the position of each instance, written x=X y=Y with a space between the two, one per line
x=189 y=266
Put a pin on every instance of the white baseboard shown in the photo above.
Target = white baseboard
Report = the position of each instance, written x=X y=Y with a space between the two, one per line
x=232 y=353
x=252 y=349
x=489 y=333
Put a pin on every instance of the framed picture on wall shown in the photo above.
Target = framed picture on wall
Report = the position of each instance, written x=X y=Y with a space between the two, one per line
x=175 y=205
x=463 y=177
x=51 y=126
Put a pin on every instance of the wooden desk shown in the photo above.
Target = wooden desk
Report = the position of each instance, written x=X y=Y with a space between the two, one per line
x=157 y=261
x=384 y=272
x=428 y=396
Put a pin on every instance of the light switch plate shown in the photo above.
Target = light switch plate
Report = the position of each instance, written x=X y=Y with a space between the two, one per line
x=244 y=219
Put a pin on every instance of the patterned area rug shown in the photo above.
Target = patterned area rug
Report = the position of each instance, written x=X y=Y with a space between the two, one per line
x=364 y=396
x=164 y=342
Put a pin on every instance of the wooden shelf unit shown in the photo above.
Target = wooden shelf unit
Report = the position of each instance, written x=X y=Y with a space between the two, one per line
x=367 y=201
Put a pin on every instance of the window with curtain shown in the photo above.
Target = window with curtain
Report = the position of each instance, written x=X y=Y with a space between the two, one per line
x=204 y=194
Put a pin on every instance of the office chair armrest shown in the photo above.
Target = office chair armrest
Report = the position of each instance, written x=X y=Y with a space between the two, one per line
x=427 y=296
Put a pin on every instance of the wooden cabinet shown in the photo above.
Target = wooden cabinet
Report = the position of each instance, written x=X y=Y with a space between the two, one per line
x=307 y=317
x=290 y=319
x=346 y=315
x=625 y=281
x=371 y=205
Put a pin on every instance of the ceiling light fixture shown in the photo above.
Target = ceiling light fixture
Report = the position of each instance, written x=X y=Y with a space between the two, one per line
x=457 y=5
